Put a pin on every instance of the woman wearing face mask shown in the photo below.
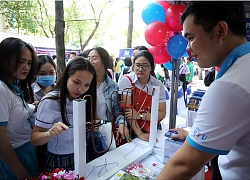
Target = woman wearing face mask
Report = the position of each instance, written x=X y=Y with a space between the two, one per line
x=45 y=82
x=46 y=77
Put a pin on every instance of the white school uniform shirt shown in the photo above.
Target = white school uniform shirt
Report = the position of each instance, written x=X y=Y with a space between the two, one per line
x=125 y=83
x=14 y=115
x=37 y=91
x=222 y=125
x=49 y=113
x=101 y=103
x=184 y=69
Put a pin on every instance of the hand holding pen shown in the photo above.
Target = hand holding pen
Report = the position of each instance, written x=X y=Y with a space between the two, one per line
x=57 y=129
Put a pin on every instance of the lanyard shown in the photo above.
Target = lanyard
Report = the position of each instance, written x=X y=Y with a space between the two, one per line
x=232 y=57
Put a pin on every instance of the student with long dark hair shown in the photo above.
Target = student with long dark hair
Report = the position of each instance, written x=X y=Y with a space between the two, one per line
x=99 y=57
x=45 y=82
x=18 y=66
x=55 y=113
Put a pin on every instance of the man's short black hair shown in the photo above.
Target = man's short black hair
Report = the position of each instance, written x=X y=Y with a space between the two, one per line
x=209 y=13
x=127 y=61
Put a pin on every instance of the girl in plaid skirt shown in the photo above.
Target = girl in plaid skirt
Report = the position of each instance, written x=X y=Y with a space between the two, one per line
x=55 y=113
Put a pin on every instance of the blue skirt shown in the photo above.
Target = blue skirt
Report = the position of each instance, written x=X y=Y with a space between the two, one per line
x=27 y=156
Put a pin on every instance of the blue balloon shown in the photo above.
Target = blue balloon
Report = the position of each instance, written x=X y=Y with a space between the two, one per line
x=153 y=12
x=186 y=54
x=168 y=65
x=176 y=46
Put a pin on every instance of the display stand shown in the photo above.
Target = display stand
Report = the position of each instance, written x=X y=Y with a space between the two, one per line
x=174 y=93
x=137 y=151
x=79 y=124
x=154 y=116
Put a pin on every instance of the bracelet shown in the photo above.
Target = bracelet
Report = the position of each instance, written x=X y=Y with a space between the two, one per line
x=140 y=135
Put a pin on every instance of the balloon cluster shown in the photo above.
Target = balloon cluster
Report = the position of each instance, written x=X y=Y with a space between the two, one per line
x=163 y=31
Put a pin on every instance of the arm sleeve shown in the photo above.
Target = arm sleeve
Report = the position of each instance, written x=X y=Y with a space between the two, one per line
x=162 y=96
x=4 y=105
x=117 y=110
x=124 y=83
x=46 y=113
x=223 y=114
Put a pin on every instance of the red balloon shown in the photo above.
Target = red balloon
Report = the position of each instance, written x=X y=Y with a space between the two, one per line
x=173 y=15
x=160 y=54
x=164 y=4
x=172 y=33
x=157 y=33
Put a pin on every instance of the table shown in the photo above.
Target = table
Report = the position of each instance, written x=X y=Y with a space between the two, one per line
x=137 y=151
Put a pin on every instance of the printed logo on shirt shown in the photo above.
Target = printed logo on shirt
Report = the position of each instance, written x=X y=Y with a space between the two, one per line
x=198 y=135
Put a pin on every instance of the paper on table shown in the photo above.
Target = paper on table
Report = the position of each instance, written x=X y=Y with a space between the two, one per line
x=114 y=158
x=153 y=162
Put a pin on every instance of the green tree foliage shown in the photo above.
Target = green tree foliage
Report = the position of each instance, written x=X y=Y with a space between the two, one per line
x=75 y=27
x=29 y=17
x=45 y=18
x=82 y=19
x=18 y=15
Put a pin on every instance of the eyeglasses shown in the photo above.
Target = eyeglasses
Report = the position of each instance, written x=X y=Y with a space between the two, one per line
x=144 y=66
x=93 y=58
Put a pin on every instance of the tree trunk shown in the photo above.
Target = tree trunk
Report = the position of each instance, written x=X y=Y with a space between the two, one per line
x=59 y=36
x=130 y=24
x=90 y=36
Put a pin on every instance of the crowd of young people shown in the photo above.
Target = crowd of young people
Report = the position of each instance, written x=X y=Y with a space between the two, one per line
x=216 y=37
x=28 y=80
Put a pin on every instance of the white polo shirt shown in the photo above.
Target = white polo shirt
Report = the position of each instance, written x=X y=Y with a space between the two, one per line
x=184 y=69
x=222 y=125
x=37 y=91
x=125 y=83
x=14 y=115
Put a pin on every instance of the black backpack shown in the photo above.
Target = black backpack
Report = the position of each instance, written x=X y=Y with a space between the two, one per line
x=209 y=78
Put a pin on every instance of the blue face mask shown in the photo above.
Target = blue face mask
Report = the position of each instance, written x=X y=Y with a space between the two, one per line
x=46 y=81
